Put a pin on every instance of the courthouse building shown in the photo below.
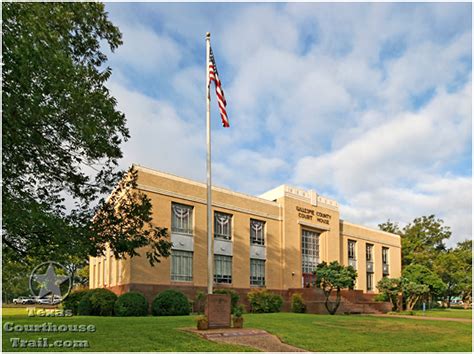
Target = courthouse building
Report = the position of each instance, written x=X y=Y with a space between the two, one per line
x=272 y=241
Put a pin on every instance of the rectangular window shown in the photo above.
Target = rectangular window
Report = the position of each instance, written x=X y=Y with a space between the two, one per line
x=181 y=218
x=351 y=249
x=181 y=265
x=309 y=251
x=257 y=232
x=370 y=281
x=384 y=255
x=257 y=272
x=222 y=225
x=368 y=252
x=222 y=269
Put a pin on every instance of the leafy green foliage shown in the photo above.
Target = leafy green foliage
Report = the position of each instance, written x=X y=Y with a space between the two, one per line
x=234 y=297
x=171 y=303
x=297 y=303
x=71 y=302
x=131 y=304
x=391 y=290
x=334 y=276
x=200 y=302
x=97 y=302
x=238 y=311
x=418 y=281
x=61 y=139
x=422 y=240
x=264 y=301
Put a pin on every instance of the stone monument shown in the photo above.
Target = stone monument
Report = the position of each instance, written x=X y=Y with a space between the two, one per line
x=218 y=310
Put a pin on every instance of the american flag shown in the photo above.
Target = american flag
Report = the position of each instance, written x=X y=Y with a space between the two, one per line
x=214 y=76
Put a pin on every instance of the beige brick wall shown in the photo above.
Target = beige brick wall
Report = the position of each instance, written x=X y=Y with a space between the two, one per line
x=283 y=228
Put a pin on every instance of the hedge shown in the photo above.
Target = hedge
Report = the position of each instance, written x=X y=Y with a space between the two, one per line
x=131 y=304
x=170 y=303
x=97 y=302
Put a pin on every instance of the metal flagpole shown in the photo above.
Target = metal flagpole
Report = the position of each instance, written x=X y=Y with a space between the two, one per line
x=210 y=250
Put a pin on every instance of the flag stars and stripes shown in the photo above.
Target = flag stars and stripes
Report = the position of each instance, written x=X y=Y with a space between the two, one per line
x=214 y=76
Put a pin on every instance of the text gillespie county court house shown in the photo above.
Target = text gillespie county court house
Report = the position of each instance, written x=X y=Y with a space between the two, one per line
x=273 y=241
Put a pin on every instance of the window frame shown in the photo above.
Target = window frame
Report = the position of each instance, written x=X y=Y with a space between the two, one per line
x=369 y=256
x=183 y=257
x=353 y=249
x=222 y=278
x=310 y=258
x=219 y=224
x=189 y=230
x=385 y=253
x=257 y=280
x=257 y=237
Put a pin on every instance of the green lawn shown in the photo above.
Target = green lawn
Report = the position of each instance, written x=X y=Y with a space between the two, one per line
x=364 y=333
x=118 y=333
x=311 y=332
x=448 y=313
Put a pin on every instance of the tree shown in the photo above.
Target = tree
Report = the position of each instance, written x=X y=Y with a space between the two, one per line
x=423 y=240
x=390 y=226
x=334 y=276
x=449 y=266
x=61 y=137
x=392 y=289
x=464 y=251
x=420 y=282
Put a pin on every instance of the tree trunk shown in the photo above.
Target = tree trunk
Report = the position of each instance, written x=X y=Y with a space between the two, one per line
x=332 y=307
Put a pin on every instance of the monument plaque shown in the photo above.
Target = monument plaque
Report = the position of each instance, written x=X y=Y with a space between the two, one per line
x=218 y=310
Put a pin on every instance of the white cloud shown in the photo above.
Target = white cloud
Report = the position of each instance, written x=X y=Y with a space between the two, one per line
x=147 y=51
x=160 y=138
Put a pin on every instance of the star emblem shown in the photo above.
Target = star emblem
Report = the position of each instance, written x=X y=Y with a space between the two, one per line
x=50 y=282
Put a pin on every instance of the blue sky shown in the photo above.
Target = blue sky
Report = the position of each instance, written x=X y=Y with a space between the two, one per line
x=369 y=104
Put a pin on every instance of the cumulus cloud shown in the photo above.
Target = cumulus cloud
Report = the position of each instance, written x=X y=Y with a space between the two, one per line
x=369 y=103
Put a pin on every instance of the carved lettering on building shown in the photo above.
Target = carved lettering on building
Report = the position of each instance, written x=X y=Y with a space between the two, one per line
x=308 y=214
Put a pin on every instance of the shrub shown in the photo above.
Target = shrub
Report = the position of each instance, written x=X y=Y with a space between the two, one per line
x=239 y=310
x=171 y=303
x=97 y=302
x=71 y=302
x=297 y=303
x=131 y=304
x=234 y=297
x=200 y=302
x=381 y=297
x=263 y=301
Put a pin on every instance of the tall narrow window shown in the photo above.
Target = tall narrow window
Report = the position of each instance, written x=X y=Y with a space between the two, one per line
x=257 y=232
x=257 y=272
x=385 y=267
x=309 y=251
x=369 y=266
x=368 y=252
x=222 y=226
x=384 y=255
x=182 y=218
x=351 y=249
x=351 y=253
x=222 y=269
x=370 y=281
x=181 y=265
